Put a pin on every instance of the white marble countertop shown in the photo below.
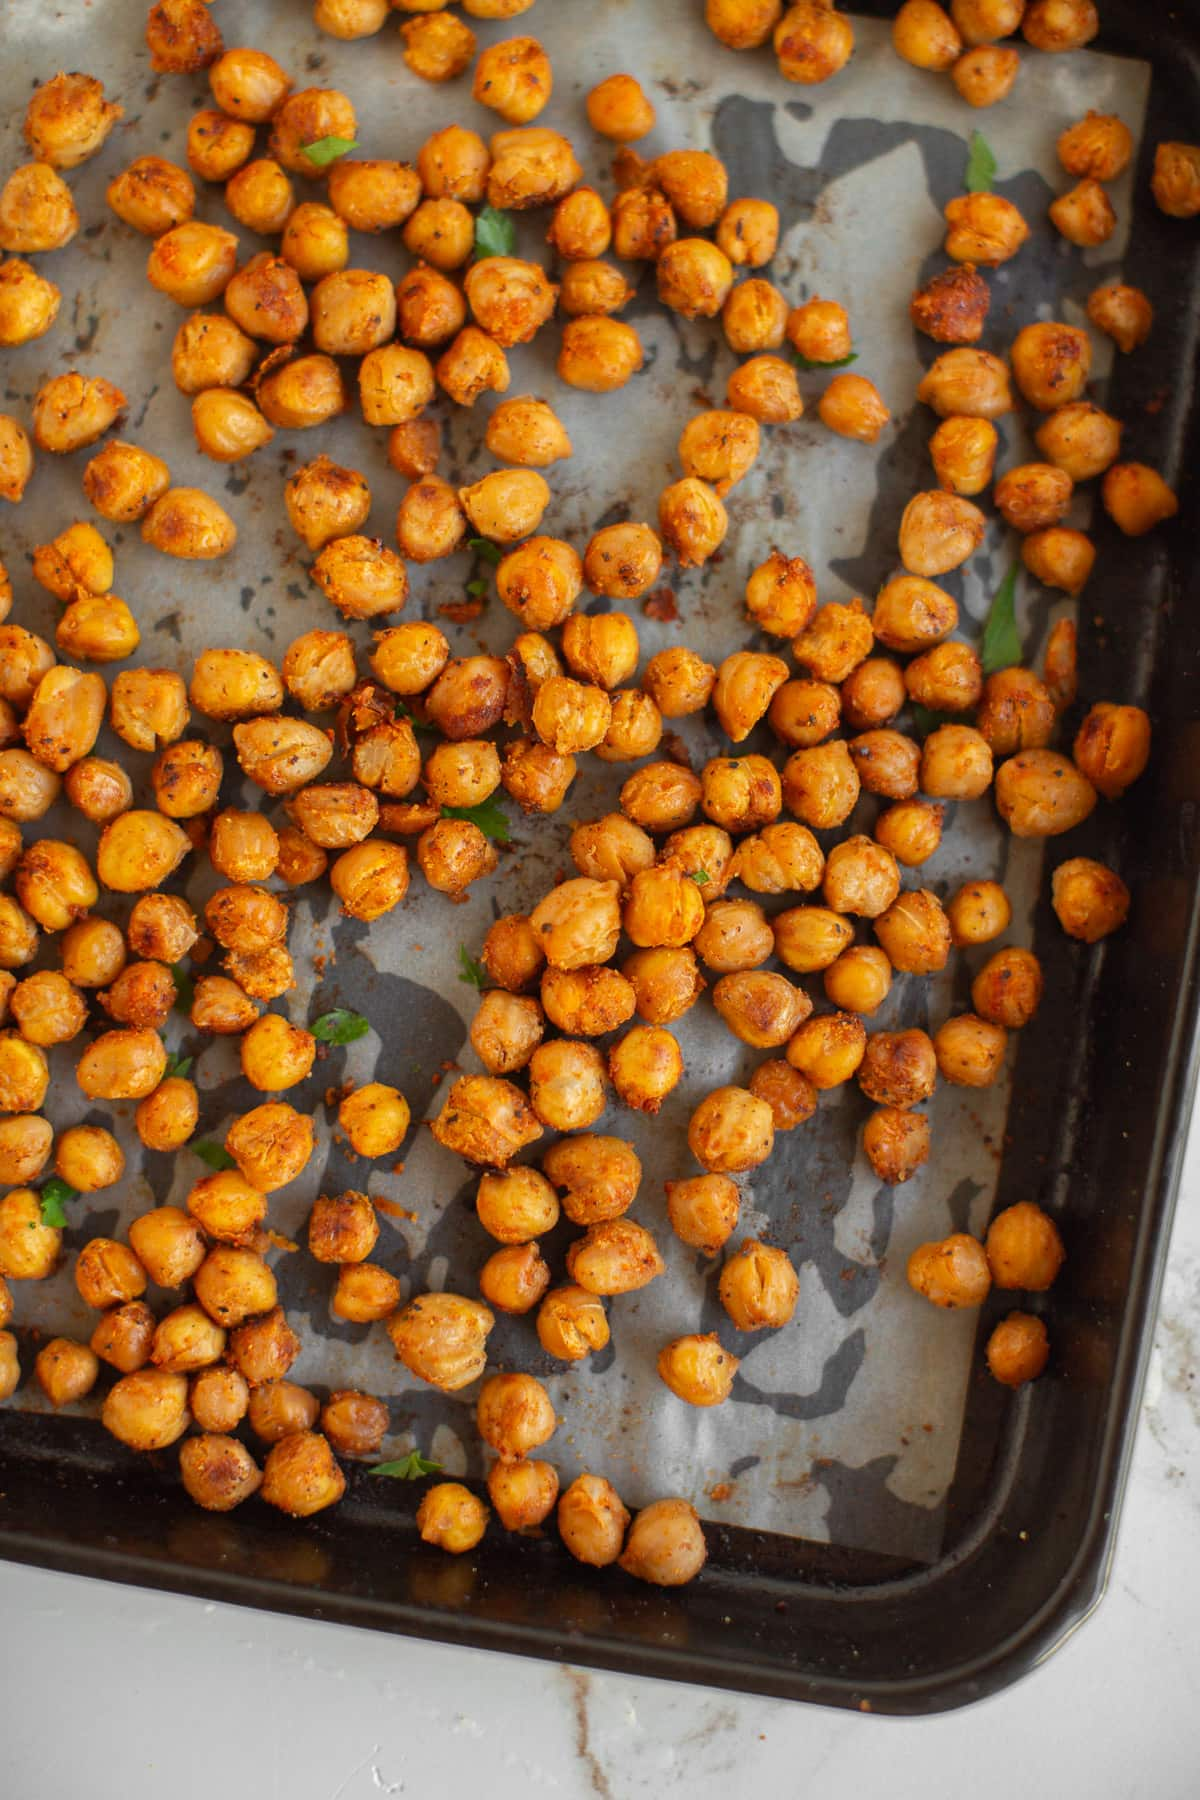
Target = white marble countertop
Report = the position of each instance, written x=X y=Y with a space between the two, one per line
x=176 y=1697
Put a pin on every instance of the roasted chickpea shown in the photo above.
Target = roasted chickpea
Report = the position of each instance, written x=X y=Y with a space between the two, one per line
x=10 y=1366
x=486 y=1119
x=363 y=1293
x=523 y=1493
x=615 y=1256
x=27 y=789
x=233 y=1285
x=148 y=1409
x=514 y=78
x=192 y=263
x=29 y=1248
x=1024 y=1249
x=1176 y=179
x=592 y=1521
x=218 y=1472
x=896 y=1144
x=1051 y=363
x=514 y=1415
x=911 y=830
x=36 y=210
x=108 y=1273
x=166 y=1119
x=442 y=1339
x=1008 y=989
x=16 y=463
x=736 y=936
x=28 y=308
x=1089 y=899
x=143 y=994
x=248 y=84
x=122 y=1339
x=438 y=46
x=301 y=1475
x=619 y=110
x=694 y=278
x=72 y=411
x=978 y=912
x=68 y=119
x=924 y=34
x=531 y=166
x=1112 y=747
x=643 y=225
x=303 y=393
x=1018 y=1349
x=1040 y=794
x=354 y=1423
x=153 y=195
x=1137 y=498
x=93 y=953
x=859 y=980
x=952 y=1274
x=187 y=1339
x=25 y=1144
x=986 y=74
x=217 y=145
x=66 y=1371
x=956 y=763
x=264 y=1349
x=210 y=351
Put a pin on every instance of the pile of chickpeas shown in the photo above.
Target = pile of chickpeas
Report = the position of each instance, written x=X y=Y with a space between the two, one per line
x=625 y=946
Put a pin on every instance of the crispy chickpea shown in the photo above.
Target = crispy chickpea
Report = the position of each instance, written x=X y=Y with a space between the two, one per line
x=515 y=1278
x=264 y=1349
x=473 y=364
x=438 y=46
x=697 y=1369
x=571 y=1323
x=754 y=319
x=301 y=1475
x=353 y=311
x=692 y=521
x=523 y=1493
x=233 y=1285
x=108 y=1273
x=354 y=1423
x=414 y=447
x=587 y=1002
x=821 y=784
x=153 y=195
x=1051 y=363
x=54 y=884
x=678 y=680
x=767 y=389
x=218 y=1472
x=27 y=789
x=486 y=1119
x=375 y=1119
x=217 y=145
x=978 y=912
x=431 y=522
x=956 y=763
x=514 y=78
x=967 y=383
x=1058 y=25
x=666 y=982
x=29 y=1248
x=731 y=1131
x=939 y=531
x=828 y=1048
x=72 y=411
x=663 y=908
x=914 y=933
x=644 y=1067
x=695 y=182
x=342 y=1228
x=409 y=658
x=592 y=1521
x=952 y=1273
x=853 y=407
x=963 y=452
x=861 y=877
x=364 y=1293
x=1024 y=1249
x=228 y=426
x=1040 y=794
x=537 y=777
x=122 y=1065
x=1112 y=747
x=952 y=307
x=859 y=980
x=1008 y=989
x=148 y=1409
x=1016 y=712
x=871 y=695
x=187 y=1339
x=804 y=713
x=189 y=524
x=1089 y=899
x=983 y=21
x=373 y=195
x=361 y=577
x=275 y=1054
x=761 y=1009
x=1018 y=1349
x=210 y=351
x=451 y=1517
x=372 y=877
x=924 y=34
x=619 y=110
x=986 y=74
x=36 y=210
x=1176 y=179
x=600 y=1176
x=16 y=464
x=742 y=24
x=315 y=242
x=143 y=994
x=192 y=263
x=1137 y=498
x=25 y=1144
x=643 y=225
x=271 y=1144
x=911 y=830
x=442 y=1339
x=10 y=1366
x=68 y=119
x=505 y=1031
x=719 y=448
x=248 y=84
x=899 y=1068
x=598 y=353
x=983 y=228
x=453 y=164
x=123 y=481
x=305 y=117
x=303 y=393
x=615 y=1256
x=29 y=303
x=514 y=1415
x=531 y=166
x=812 y=42
x=567 y=1084
x=66 y=1371
x=1123 y=312
x=946 y=678
x=299 y=860
x=1085 y=215
x=736 y=936
x=912 y=613
x=808 y=938
x=896 y=1144
x=166 y=1119
x=97 y=628
x=970 y=1051
x=694 y=278
x=1080 y=439
x=18 y=933
x=93 y=953
x=122 y=1339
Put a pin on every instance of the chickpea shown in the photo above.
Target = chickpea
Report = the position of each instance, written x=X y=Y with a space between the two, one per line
x=486 y=1119
x=1176 y=179
x=143 y=995
x=598 y=354
x=36 y=210
x=301 y=1475
x=697 y=1369
x=911 y=830
x=531 y=166
x=123 y=1337
x=363 y=1293
x=97 y=628
x=16 y=463
x=663 y=908
x=440 y=232
x=719 y=448
x=871 y=695
x=736 y=936
x=666 y=982
x=812 y=42
x=334 y=815
x=523 y=1493
x=248 y=84
x=767 y=389
x=153 y=195
x=438 y=47
x=72 y=411
x=804 y=713
x=108 y=1273
x=731 y=1131
x=68 y=119
x=218 y=1472
x=147 y=1410
x=10 y=1367
x=25 y=1144
x=505 y=1031
x=233 y=1285
x=643 y=225
x=1137 y=498
x=592 y=1521
x=1112 y=747
x=303 y=393
x=1085 y=215
x=600 y=1176
x=983 y=228
x=93 y=953
x=122 y=1065
x=571 y=1323
x=264 y=1349
x=615 y=1256
x=896 y=1144
x=217 y=145
x=354 y=1423
x=187 y=1339
x=742 y=24
x=192 y=263
x=694 y=278
x=566 y=1084
x=898 y=1069
x=28 y=303
x=953 y=1273
x=353 y=311
x=514 y=78
x=754 y=318
x=821 y=785
x=27 y=789
x=166 y=1119
x=986 y=74
x=29 y=1248
x=18 y=933
x=939 y=532
x=1089 y=899
x=123 y=481
x=645 y=1066
x=54 y=884
x=1123 y=312
x=1024 y=1249
x=442 y=1339
x=190 y=524
x=859 y=980
x=1051 y=364
x=760 y=1009
x=514 y=1279
x=924 y=34
x=963 y=452
x=66 y=1371
x=1018 y=1349
x=210 y=351
x=967 y=383
x=1040 y=794
x=1080 y=439
x=514 y=1415
x=1060 y=24
x=1008 y=989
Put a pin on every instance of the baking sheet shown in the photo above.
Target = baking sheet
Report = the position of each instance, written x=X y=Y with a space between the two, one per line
x=844 y=1426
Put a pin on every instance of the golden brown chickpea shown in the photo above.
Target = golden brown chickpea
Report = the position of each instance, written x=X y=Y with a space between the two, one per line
x=938 y=532
x=303 y=393
x=911 y=830
x=28 y=303
x=505 y=1031
x=474 y=364
x=301 y=1475
x=853 y=407
x=54 y=884
x=915 y=933
x=1016 y=712
x=68 y=119
x=924 y=34
x=123 y=481
x=27 y=789
x=266 y=300
x=1040 y=794
x=1176 y=179
x=736 y=936
x=182 y=37
x=97 y=628
x=523 y=1493
x=515 y=1278
x=442 y=1339
x=1089 y=899
x=375 y=1118
x=644 y=1067
x=1024 y=1249
x=452 y=854
x=1123 y=312
x=414 y=447
x=299 y=861
x=692 y=521
x=571 y=1323
x=970 y=1051
x=29 y=1248
x=1137 y=498
x=108 y=1273
x=643 y=225
x=453 y=164
x=761 y=1009
x=227 y=1207
x=978 y=912
x=395 y=384
x=270 y=1144
x=166 y=1119
x=603 y=648
x=695 y=183
x=36 y=210
x=364 y=1293
x=451 y=1517
x=537 y=777
x=123 y=1337
x=598 y=353
x=315 y=241
x=143 y=994
x=248 y=84
x=986 y=74
x=808 y=938
x=828 y=1048
x=353 y=311
x=983 y=228
x=187 y=1339
x=581 y=232
x=186 y=778
x=835 y=641
x=731 y=1131
x=600 y=1176
x=966 y=383
x=592 y=1521
x=305 y=118
x=619 y=110
x=1008 y=989
x=872 y=694
x=228 y=425
x=93 y=953
x=1080 y=439
x=438 y=47
x=16 y=466
x=697 y=1369
x=719 y=448
x=1051 y=364
x=122 y=1065
x=218 y=1472
x=233 y=1285
x=821 y=784
x=566 y=1084
x=334 y=815
x=694 y=278
x=373 y=196
x=899 y=1068
x=486 y=1119
x=983 y=21
x=952 y=307
x=210 y=351
x=861 y=877
x=1059 y=557
x=18 y=933
x=663 y=908
x=1085 y=216
x=678 y=680
x=440 y=232
x=192 y=263
x=514 y=1415
x=742 y=24
x=372 y=877
x=217 y=145
x=1018 y=1349
x=804 y=713
x=25 y=1144
x=10 y=1366
x=754 y=318
x=506 y=505
x=812 y=42
x=264 y=1349
x=819 y=331
x=956 y=763
x=963 y=451
x=666 y=982
x=190 y=524
x=361 y=577
x=886 y=762
x=613 y=1257
x=531 y=166
x=859 y=980
x=147 y=1410
x=66 y=1371
x=409 y=658
x=1060 y=24
x=275 y=1054
x=896 y=1144
x=431 y=522
x=354 y=1423
x=952 y=1273
x=1112 y=747
x=514 y=78
x=705 y=852
x=72 y=411
x=77 y=562
x=540 y=581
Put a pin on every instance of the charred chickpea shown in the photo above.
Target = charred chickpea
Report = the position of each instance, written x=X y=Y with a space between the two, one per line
x=986 y=74
x=978 y=912
x=1008 y=989
x=28 y=304
x=896 y=1144
x=952 y=307
x=970 y=1051
x=1137 y=498
x=1018 y=1349
x=859 y=980
x=1176 y=179
x=1089 y=900
x=437 y=46
x=1084 y=216
x=952 y=1273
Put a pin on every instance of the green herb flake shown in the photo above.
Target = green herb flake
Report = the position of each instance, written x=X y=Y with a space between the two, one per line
x=339 y=1026
x=981 y=165
x=477 y=588
x=699 y=876
x=1001 y=641
x=807 y=362
x=490 y=817
x=323 y=151
x=215 y=1155
x=185 y=988
x=179 y=1066
x=408 y=1468
x=485 y=550
x=420 y=726
x=54 y=1197
x=926 y=720
x=495 y=233
x=473 y=973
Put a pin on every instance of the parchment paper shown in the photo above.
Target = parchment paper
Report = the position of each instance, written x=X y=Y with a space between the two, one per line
x=845 y=1425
